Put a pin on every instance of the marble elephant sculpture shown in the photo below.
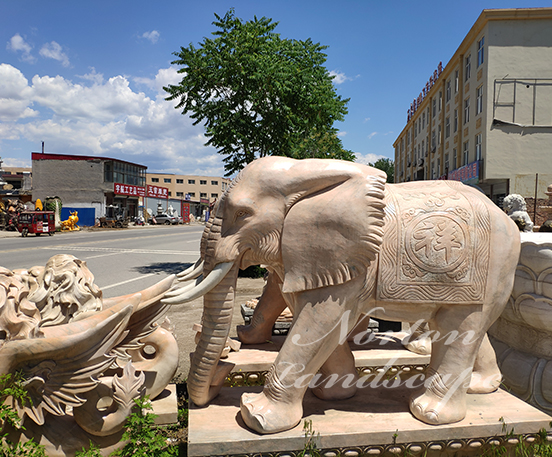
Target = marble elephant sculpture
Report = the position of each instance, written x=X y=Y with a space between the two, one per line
x=342 y=243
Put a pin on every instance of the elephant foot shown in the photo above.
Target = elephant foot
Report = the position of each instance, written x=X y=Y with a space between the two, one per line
x=484 y=383
x=248 y=334
x=264 y=415
x=439 y=403
x=419 y=345
x=430 y=409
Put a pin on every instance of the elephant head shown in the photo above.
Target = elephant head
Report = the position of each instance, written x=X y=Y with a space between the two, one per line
x=266 y=217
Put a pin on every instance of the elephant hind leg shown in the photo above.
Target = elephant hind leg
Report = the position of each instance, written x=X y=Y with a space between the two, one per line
x=338 y=375
x=269 y=308
x=486 y=376
x=457 y=336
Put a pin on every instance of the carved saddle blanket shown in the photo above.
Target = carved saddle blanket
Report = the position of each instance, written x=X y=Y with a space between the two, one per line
x=436 y=244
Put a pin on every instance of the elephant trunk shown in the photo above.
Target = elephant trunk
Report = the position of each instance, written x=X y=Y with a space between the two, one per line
x=206 y=378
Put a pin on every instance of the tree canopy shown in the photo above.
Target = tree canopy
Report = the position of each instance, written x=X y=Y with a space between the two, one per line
x=386 y=165
x=258 y=94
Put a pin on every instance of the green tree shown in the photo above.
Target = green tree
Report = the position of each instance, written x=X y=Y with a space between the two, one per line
x=258 y=94
x=386 y=165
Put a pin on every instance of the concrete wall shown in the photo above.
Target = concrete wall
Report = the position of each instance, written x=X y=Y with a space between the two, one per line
x=79 y=183
x=520 y=49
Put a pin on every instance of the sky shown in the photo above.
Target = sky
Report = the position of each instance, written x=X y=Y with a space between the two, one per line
x=87 y=77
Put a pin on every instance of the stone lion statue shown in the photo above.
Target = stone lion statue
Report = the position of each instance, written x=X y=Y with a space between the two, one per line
x=516 y=208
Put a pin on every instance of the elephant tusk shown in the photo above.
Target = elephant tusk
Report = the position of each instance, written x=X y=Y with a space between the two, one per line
x=187 y=286
x=199 y=288
x=191 y=273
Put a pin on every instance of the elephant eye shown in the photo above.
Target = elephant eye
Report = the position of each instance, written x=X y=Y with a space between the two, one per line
x=242 y=213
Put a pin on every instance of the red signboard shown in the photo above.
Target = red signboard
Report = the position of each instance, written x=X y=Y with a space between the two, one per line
x=157 y=192
x=185 y=211
x=130 y=190
x=468 y=172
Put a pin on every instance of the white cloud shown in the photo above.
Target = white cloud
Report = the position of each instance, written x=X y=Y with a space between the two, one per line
x=54 y=51
x=15 y=94
x=367 y=158
x=164 y=77
x=341 y=134
x=18 y=44
x=93 y=76
x=153 y=36
x=339 y=77
x=372 y=135
x=366 y=119
x=106 y=118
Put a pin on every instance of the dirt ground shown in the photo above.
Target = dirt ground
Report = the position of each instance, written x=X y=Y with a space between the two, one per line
x=185 y=316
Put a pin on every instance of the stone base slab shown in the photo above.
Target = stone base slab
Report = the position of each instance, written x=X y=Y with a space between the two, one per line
x=376 y=421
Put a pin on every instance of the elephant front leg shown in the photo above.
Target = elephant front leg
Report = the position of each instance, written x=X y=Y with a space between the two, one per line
x=323 y=321
x=457 y=336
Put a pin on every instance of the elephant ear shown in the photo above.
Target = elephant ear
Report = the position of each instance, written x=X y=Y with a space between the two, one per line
x=332 y=236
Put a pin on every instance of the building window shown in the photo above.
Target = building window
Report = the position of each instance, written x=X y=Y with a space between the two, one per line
x=479 y=100
x=202 y=195
x=467 y=110
x=179 y=181
x=154 y=179
x=415 y=129
x=478 y=146
x=203 y=182
x=191 y=194
x=191 y=181
x=447 y=127
x=433 y=144
x=423 y=120
x=170 y=193
x=440 y=101
x=408 y=138
x=167 y=180
x=214 y=195
x=455 y=120
x=446 y=162
x=180 y=194
x=456 y=81
x=448 y=93
x=432 y=170
x=466 y=153
x=214 y=183
x=434 y=104
x=454 y=158
x=439 y=135
x=480 y=51
x=468 y=67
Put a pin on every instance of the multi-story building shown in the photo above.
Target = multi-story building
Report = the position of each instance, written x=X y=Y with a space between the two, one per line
x=486 y=117
x=89 y=184
x=191 y=188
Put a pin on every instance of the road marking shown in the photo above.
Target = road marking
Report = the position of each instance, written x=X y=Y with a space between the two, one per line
x=117 y=250
x=101 y=255
x=127 y=281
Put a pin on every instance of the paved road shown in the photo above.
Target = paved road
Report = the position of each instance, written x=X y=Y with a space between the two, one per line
x=122 y=261
x=128 y=260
